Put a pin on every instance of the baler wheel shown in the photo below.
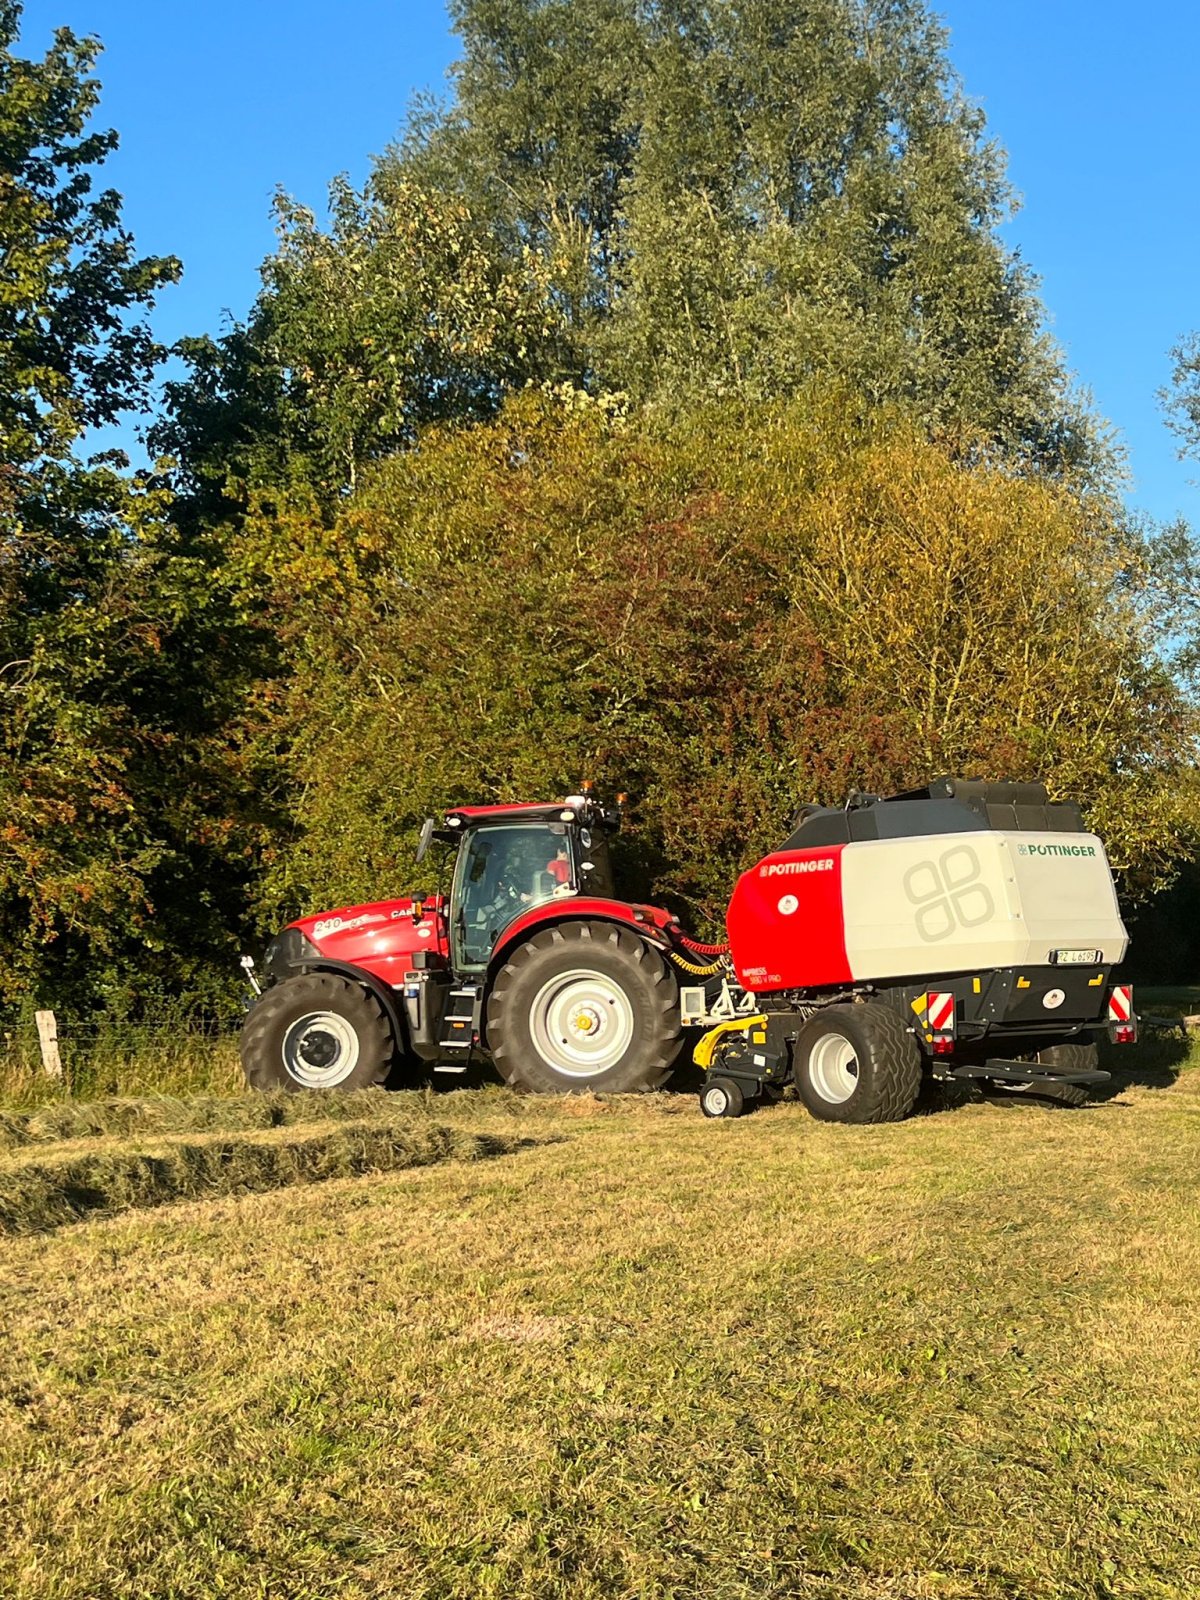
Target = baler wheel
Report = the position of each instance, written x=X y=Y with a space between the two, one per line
x=584 y=1007
x=316 y=1031
x=857 y=1063
x=721 y=1097
x=1058 y=1058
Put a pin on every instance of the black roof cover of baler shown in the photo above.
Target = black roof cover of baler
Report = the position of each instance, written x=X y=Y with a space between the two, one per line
x=947 y=805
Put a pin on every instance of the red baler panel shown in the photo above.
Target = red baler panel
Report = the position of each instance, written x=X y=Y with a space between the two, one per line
x=785 y=923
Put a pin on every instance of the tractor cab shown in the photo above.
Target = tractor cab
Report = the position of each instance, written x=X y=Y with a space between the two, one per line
x=511 y=858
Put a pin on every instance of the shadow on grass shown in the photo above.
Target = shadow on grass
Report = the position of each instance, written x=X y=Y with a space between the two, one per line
x=1154 y=1063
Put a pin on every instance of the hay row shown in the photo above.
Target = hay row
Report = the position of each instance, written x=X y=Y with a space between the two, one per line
x=61 y=1120
x=42 y=1195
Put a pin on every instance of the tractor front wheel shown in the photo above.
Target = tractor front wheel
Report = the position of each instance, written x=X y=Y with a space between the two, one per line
x=584 y=1007
x=857 y=1063
x=316 y=1031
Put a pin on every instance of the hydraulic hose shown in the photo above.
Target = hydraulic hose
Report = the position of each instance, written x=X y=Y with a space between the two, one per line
x=690 y=966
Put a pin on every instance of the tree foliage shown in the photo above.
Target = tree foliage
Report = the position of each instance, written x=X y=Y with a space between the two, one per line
x=1182 y=397
x=403 y=313
x=117 y=739
x=664 y=199
x=732 y=197
x=730 y=615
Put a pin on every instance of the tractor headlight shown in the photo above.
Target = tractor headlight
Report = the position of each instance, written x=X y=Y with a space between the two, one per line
x=287 y=951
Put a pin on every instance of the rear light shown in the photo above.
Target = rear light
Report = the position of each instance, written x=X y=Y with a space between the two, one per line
x=1122 y=1019
x=936 y=1016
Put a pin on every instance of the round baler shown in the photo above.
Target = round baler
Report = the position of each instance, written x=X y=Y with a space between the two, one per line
x=961 y=931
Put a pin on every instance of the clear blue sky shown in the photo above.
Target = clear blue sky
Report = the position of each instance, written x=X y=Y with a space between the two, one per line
x=1094 y=101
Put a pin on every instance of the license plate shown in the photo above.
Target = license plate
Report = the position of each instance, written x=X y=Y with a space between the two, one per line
x=1075 y=958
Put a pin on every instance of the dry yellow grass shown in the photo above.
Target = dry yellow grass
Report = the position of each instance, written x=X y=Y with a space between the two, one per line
x=658 y=1357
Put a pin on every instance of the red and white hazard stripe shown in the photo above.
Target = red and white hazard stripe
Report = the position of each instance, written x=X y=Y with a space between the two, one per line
x=1120 y=1003
x=940 y=1015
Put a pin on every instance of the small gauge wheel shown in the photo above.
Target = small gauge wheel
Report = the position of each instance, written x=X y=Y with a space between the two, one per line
x=721 y=1097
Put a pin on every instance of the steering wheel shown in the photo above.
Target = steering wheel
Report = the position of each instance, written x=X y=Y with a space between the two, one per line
x=504 y=897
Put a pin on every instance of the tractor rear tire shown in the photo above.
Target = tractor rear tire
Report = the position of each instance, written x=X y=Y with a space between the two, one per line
x=1058 y=1058
x=857 y=1063
x=316 y=1031
x=584 y=1008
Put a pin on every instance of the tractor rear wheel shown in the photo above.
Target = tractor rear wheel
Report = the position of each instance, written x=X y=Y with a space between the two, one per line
x=584 y=1007
x=857 y=1063
x=316 y=1031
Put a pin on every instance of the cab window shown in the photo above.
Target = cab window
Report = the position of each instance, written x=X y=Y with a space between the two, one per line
x=501 y=872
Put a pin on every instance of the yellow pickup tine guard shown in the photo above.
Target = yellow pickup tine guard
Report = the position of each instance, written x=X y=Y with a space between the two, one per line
x=702 y=1055
x=739 y=1065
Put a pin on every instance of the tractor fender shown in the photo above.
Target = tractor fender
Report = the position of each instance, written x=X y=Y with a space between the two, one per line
x=382 y=991
x=650 y=921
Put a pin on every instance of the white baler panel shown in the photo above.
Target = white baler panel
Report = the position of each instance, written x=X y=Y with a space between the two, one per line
x=959 y=902
x=1066 y=894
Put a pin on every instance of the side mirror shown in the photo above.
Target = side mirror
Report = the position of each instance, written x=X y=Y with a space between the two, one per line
x=423 y=842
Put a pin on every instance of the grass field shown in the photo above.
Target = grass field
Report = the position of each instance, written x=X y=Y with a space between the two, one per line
x=632 y=1354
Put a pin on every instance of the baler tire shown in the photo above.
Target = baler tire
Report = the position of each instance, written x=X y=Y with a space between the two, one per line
x=605 y=966
x=274 y=1029
x=722 y=1097
x=1059 y=1058
x=887 y=1065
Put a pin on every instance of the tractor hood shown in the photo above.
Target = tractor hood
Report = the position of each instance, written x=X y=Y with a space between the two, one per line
x=382 y=935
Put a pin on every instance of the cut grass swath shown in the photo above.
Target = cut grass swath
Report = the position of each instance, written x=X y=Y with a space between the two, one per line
x=39 y=1195
x=125 y=1118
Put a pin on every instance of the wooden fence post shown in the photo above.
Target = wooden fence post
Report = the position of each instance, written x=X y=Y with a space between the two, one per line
x=47 y=1027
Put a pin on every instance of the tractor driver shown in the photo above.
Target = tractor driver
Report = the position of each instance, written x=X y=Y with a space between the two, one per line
x=558 y=872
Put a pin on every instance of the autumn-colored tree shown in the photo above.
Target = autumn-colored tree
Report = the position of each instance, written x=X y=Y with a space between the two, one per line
x=729 y=615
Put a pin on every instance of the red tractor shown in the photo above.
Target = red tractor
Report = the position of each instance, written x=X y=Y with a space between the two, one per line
x=886 y=941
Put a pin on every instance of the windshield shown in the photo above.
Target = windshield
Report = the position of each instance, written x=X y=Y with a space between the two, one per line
x=501 y=871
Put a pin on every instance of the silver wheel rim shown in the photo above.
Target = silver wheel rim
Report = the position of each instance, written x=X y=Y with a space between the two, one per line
x=320 y=1050
x=833 y=1068
x=581 y=1023
x=715 y=1101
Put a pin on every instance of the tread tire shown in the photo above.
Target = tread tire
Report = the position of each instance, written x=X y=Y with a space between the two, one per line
x=1061 y=1058
x=890 y=1067
x=283 y=1004
x=734 y=1101
x=622 y=957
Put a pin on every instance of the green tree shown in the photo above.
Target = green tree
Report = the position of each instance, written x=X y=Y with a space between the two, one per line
x=403 y=313
x=731 y=197
x=1181 y=398
x=120 y=827
x=664 y=199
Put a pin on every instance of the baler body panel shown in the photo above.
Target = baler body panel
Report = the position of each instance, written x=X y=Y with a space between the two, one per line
x=785 y=922
x=948 y=903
